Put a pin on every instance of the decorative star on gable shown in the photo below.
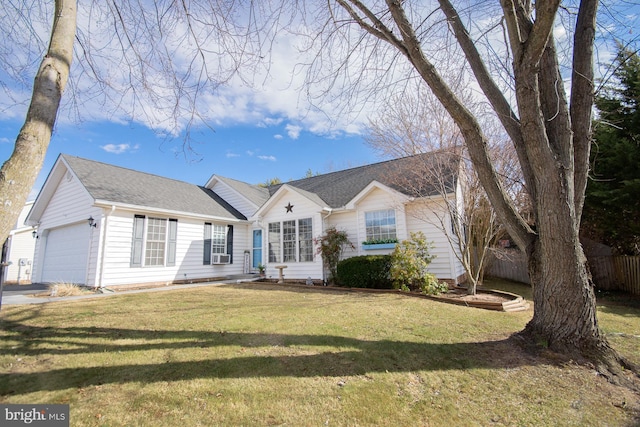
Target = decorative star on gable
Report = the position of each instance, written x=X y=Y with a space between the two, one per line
x=289 y=207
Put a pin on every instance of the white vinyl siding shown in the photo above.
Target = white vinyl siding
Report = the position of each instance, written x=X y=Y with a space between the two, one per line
x=347 y=222
x=70 y=204
x=21 y=247
x=189 y=250
x=231 y=196
x=421 y=216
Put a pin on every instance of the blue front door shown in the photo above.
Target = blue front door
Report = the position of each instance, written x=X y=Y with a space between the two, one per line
x=257 y=248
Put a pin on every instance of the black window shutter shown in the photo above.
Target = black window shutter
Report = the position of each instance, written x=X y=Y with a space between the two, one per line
x=206 y=252
x=230 y=243
x=136 y=244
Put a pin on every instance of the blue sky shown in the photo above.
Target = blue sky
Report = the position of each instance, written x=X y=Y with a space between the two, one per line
x=251 y=153
x=262 y=123
x=270 y=122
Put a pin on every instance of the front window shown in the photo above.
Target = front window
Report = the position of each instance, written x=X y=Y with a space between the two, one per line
x=156 y=236
x=305 y=239
x=380 y=225
x=154 y=241
x=291 y=241
x=219 y=239
x=274 y=242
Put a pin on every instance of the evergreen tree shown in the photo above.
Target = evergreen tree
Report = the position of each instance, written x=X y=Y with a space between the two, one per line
x=612 y=204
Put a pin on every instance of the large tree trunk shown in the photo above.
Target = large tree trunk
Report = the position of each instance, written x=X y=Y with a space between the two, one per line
x=19 y=173
x=564 y=318
x=553 y=162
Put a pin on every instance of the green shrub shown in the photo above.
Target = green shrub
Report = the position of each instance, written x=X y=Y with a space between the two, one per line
x=431 y=285
x=409 y=263
x=370 y=271
x=331 y=245
x=379 y=241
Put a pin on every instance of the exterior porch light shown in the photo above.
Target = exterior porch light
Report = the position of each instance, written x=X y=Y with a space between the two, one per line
x=92 y=222
x=34 y=234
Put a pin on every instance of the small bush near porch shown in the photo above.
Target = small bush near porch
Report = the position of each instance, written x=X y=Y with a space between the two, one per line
x=260 y=354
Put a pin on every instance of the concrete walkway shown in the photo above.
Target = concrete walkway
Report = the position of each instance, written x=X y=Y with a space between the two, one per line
x=23 y=294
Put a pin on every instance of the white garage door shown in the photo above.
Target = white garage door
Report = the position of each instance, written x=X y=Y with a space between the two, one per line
x=65 y=256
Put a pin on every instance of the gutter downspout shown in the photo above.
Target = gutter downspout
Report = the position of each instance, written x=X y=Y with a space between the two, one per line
x=104 y=246
x=329 y=210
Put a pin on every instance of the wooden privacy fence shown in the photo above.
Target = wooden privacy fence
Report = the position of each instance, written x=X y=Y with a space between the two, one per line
x=511 y=265
x=610 y=273
x=616 y=273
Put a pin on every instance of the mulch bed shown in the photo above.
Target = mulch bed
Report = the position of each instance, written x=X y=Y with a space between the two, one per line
x=485 y=299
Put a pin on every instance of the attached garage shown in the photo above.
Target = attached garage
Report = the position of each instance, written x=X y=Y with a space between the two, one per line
x=66 y=254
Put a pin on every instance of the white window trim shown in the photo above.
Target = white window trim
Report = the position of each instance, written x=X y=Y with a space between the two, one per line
x=366 y=225
x=280 y=254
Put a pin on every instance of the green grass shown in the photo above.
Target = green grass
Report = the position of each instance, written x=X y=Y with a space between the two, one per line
x=269 y=355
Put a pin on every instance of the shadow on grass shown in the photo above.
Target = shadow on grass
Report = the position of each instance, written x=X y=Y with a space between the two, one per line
x=618 y=302
x=234 y=355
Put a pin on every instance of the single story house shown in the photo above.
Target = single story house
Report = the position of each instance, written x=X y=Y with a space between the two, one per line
x=102 y=225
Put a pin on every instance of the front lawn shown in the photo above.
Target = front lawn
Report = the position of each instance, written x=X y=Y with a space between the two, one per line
x=259 y=354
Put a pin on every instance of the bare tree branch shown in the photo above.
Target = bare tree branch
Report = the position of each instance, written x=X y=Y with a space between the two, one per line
x=582 y=96
x=19 y=172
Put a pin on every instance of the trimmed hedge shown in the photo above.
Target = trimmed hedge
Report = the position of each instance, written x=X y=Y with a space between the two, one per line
x=368 y=271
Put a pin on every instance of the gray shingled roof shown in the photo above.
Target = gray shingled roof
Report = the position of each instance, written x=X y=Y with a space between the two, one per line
x=256 y=194
x=421 y=175
x=125 y=186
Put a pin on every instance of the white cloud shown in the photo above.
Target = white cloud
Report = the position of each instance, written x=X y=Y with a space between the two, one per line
x=119 y=148
x=280 y=93
x=270 y=158
x=231 y=155
x=5 y=140
x=277 y=136
x=250 y=153
x=293 y=131
x=270 y=121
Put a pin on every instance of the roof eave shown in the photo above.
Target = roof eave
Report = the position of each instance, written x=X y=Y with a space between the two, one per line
x=166 y=212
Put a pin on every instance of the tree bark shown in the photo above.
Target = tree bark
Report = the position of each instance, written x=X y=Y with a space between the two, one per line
x=18 y=174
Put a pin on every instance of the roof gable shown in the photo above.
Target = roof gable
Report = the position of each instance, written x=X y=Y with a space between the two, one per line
x=285 y=188
x=375 y=185
x=254 y=194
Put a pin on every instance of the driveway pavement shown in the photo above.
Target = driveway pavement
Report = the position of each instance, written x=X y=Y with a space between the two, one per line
x=22 y=294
